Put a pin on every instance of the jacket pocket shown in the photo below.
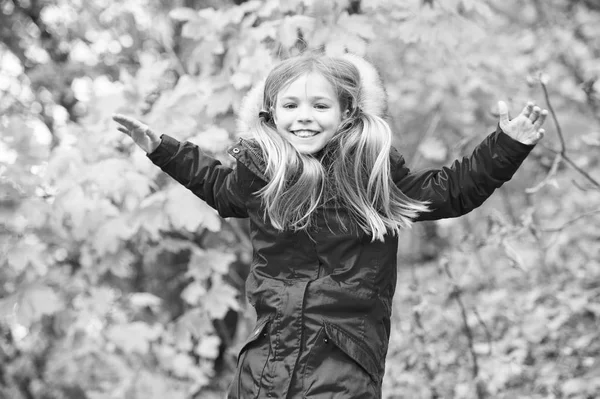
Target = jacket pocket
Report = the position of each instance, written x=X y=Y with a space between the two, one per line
x=339 y=365
x=354 y=349
x=251 y=362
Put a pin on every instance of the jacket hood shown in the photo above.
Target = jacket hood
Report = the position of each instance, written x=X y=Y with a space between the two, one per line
x=372 y=99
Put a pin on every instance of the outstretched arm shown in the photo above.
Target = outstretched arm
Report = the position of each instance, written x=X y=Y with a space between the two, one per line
x=456 y=190
x=206 y=177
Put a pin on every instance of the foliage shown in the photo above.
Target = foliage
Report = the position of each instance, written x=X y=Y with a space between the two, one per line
x=116 y=282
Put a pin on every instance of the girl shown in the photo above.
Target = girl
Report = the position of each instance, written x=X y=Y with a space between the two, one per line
x=326 y=196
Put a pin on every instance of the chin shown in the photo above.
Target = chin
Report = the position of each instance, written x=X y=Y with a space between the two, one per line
x=308 y=149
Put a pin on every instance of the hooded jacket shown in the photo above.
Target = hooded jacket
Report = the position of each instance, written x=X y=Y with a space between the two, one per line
x=323 y=296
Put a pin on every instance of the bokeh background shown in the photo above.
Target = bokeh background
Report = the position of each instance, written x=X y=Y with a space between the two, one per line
x=115 y=282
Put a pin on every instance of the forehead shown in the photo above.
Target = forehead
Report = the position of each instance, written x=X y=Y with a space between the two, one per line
x=311 y=84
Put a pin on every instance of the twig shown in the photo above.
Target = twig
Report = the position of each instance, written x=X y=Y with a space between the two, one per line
x=583 y=172
x=568 y=223
x=549 y=176
x=560 y=154
x=488 y=334
x=563 y=147
x=456 y=295
x=428 y=370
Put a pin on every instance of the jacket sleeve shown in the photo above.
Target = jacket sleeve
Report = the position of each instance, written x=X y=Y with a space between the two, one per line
x=457 y=190
x=206 y=177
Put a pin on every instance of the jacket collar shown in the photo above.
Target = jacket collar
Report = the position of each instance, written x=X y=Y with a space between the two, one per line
x=248 y=152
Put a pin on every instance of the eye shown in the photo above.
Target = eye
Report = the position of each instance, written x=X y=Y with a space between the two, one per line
x=289 y=105
x=321 y=106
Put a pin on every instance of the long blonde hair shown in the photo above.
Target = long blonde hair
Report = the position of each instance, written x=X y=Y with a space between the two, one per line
x=352 y=173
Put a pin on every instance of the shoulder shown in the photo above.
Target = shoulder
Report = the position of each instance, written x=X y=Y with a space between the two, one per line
x=249 y=155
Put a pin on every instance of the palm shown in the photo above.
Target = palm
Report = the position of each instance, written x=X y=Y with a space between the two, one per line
x=526 y=127
x=141 y=134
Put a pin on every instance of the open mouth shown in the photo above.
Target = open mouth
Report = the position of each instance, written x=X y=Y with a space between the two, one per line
x=304 y=133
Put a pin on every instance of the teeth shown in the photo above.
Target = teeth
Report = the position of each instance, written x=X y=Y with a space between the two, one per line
x=304 y=133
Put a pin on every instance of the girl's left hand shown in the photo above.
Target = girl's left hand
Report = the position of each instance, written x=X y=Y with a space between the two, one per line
x=526 y=127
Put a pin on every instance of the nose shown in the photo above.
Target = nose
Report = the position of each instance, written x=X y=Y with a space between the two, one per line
x=304 y=114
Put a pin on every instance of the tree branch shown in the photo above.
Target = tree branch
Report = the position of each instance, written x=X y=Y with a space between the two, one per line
x=562 y=153
x=456 y=295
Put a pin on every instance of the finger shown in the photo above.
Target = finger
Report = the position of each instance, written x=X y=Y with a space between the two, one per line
x=528 y=108
x=123 y=130
x=535 y=114
x=540 y=135
x=540 y=121
x=128 y=122
x=503 y=113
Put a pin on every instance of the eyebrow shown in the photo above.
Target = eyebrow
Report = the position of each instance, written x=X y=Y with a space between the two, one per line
x=312 y=98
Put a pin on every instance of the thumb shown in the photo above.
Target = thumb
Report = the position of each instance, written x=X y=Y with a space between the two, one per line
x=503 y=112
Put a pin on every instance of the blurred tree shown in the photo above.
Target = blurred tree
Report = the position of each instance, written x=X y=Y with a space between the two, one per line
x=116 y=282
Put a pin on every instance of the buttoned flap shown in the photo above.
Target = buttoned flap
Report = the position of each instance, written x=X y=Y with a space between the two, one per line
x=356 y=350
x=260 y=329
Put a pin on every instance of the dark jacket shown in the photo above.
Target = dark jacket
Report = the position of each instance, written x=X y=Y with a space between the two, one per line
x=323 y=297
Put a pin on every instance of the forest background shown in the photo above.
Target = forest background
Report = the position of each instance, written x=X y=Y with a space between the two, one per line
x=115 y=282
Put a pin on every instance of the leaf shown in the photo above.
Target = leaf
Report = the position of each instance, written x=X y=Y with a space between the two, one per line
x=287 y=32
x=220 y=298
x=193 y=323
x=120 y=264
x=28 y=305
x=149 y=385
x=186 y=211
x=433 y=149
x=110 y=236
x=591 y=139
x=134 y=337
x=193 y=293
x=241 y=80
x=341 y=41
x=208 y=347
x=357 y=24
x=183 y=14
x=203 y=264
x=220 y=102
x=98 y=302
x=213 y=139
x=143 y=299
x=574 y=386
x=181 y=365
x=28 y=252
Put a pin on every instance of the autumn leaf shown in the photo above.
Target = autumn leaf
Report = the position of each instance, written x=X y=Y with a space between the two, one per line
x=134 y=337
x=212 y=138
x=220 y=299
x=30 y=304
x=193 y=323
x=186 y=211
x=183 y=14
x=433 y=149
x=357 y=24
x=208 y=347
x=110 y=236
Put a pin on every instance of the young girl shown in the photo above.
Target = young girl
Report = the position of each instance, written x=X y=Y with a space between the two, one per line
x=326 y=196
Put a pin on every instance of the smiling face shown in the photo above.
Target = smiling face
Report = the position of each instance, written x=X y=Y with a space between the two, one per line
x=308 y=113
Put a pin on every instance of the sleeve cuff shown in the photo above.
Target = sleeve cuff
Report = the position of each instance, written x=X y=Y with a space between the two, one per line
x=510 y=144
x=167 y=148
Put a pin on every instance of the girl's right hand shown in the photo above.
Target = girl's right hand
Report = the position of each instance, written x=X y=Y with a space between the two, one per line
x=141 y=134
